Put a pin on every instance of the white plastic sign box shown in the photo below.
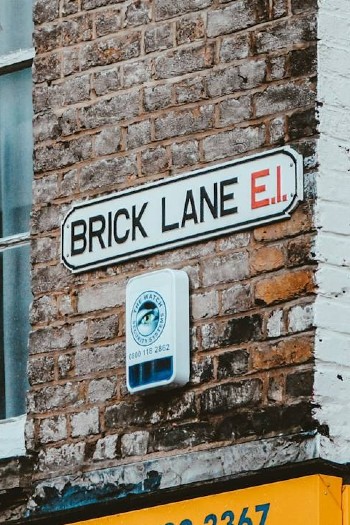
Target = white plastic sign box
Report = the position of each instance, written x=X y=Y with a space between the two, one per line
x=157 y=331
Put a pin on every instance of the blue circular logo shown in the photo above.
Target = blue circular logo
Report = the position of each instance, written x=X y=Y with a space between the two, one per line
x=148 y=318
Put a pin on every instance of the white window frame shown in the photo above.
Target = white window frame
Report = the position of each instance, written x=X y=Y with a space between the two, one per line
x=12 y=430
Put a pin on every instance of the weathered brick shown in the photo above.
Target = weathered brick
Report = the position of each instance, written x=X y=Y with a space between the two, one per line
x=47 y=38
x=284 y=97
x=154 y=161
x=110 y=50
x=158 y=38
x=62 y=337
x=303 y=61
x=108 y=141
x=104 y=328
x=47 y=218
x=232 y=332
x=190 y=90
x=284 y=34
x=100 y=390
x=302 y=124
x=100 y=297
x=85 y=423
x=107 y=81
x=278 y=68
x=53 y=429
x=267 y=258
x=264 y=421
x=232 y=364
x=45 y=10
x=239 y=15
x=69 y=455
x=284 y=287
x=106 y=448
x=135 y=444
x=275 y=324
x=70 y=61
x=47 y=67
x=174 y=124
x=108 y=172
x=235 y=110
x=182 y=61
x=300 y=251
x=138 y=13
x=45 y=189
x=50 y=278
x=185 y=153
x=65 y=364
x=92 y=360
x=181 y=436
x=41 y=370
x=43 y=309
x=138 y=134
x=190 y=28
x=290 y=351
x=278 y=130
x=236 y=78
x=236 y=299
x=205 y=305
x=157 y=97
x=300 y=318
x=275 y=391
x=69 y=7
x=54 y=397
x=69 y=122
x=137 y=72
x=299 y=222
x=62 y=154
x=300 y=384
x=303 y=5
x=107 y=22
x=279 y=8
x=234 y=47
x=153 y=411
x=225 y=268
x=75 y=30
x=225 y=397
x=235 y=142
x=122 y=106
x=202 y=371
x=168 y=9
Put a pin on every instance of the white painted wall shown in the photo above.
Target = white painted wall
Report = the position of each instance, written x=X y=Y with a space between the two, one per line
x=332 y=306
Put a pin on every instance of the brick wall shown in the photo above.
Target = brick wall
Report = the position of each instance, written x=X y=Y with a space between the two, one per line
x=126 y=92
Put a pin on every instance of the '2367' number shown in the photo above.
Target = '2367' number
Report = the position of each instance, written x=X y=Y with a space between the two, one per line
x=228 y=517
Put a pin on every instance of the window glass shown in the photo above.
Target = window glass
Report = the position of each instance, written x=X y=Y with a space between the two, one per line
x=14 y=329
x=15 y=151
x=15 y=25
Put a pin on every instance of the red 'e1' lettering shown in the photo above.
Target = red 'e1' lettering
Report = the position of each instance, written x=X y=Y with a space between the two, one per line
x=258 y=189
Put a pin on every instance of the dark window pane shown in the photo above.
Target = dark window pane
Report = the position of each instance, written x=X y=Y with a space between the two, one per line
x=15 y=151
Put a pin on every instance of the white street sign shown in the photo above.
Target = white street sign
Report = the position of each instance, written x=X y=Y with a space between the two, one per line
x=182 y=210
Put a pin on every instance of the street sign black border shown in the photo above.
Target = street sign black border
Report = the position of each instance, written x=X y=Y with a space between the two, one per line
x=294 y=155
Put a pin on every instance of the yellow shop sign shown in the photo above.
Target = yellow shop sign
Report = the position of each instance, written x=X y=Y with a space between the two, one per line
x=311 y=500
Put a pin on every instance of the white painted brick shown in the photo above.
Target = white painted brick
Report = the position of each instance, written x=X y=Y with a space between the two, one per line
x=134 y=444
x=275 y=324
x=300 y=318
x=106 y=448
x=85 y=423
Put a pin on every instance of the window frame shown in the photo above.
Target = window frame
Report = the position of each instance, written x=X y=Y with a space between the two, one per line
x=12 y=430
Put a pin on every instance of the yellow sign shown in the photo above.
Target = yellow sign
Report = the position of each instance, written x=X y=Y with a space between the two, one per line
x=311 y=500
